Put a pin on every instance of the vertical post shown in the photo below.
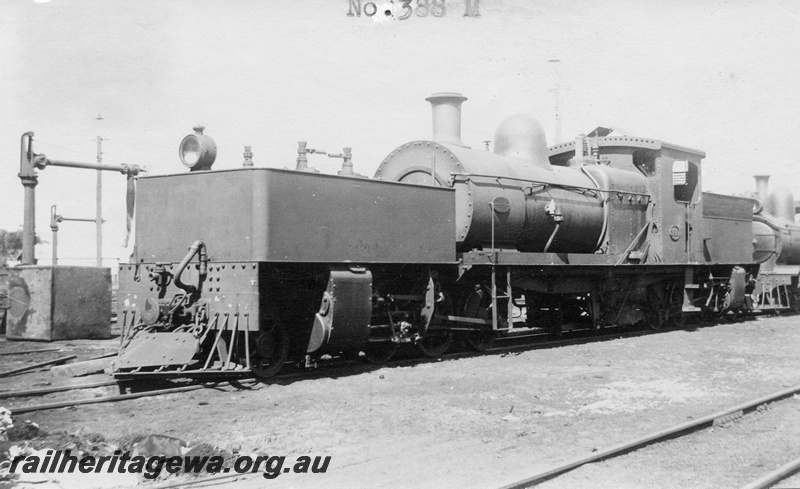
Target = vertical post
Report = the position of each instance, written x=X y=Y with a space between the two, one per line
x=55 y=247
x=54 y=228
x=494 y=299
x=558 y=116
x=29 y=222
x=557 y=99
x=509 y=300
x=99 y=214
x=27 y=175
x=494 y=278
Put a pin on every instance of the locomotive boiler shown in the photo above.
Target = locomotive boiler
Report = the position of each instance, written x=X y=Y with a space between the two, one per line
x=445 y=242
x=514 y=197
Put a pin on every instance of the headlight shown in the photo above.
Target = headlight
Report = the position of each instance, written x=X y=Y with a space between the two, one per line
x=198 y=151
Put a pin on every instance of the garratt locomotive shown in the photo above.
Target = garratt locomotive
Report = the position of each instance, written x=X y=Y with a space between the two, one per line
x=444 y=241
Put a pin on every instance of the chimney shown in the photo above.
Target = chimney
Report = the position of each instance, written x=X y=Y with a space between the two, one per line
x=762 y=187
x=446 y=107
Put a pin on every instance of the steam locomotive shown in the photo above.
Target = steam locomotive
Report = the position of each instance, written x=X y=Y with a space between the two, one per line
x=445 y=242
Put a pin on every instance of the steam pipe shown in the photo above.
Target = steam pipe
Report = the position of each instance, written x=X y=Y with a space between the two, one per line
x=552 y=237
x=197 y=246
x=606 y=210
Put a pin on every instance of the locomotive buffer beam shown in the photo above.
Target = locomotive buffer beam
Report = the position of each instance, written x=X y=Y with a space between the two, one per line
x=174 y=349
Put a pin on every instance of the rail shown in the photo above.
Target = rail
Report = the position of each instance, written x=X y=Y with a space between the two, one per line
x=650 y=438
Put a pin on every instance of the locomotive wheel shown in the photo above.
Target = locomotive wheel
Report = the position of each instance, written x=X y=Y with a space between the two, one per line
x=435 y=345
x=654 y=316
x=706 y=318
x=656 y=312
x=794 y=300
x=556 y=330
x=676 y=318
x=480 y=340
x=271 y=350
x=476 y=306
x=380 y=352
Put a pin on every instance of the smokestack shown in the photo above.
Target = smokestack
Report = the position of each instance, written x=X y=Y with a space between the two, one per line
x=446 y=107
x=762 y=187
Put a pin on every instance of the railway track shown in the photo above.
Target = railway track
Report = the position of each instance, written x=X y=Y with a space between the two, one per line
x=337 y=367
x=332 y=368
x=719 y=418
x=295 y=372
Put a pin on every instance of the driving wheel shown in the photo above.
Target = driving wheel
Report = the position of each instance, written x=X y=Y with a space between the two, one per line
x=380 y=352
x=435 y=345
x=270 y=351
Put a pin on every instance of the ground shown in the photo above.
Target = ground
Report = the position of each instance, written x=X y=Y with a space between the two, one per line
x=486 y=421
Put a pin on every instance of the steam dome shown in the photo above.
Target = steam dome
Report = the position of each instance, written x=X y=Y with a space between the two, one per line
x=522 y=136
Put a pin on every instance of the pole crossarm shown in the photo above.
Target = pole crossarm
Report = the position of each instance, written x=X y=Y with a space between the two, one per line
x=56 y=218
x=78 y=219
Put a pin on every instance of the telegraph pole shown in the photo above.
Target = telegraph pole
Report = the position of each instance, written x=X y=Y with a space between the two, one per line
x=99 y=214
x=557 y=99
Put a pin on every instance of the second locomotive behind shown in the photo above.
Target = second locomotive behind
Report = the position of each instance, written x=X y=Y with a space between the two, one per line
x=776 y=238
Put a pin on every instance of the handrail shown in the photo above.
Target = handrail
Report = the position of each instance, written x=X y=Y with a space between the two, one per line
x=466 y=176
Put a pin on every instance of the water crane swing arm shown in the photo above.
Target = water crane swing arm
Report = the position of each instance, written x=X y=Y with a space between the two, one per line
x=30 y=162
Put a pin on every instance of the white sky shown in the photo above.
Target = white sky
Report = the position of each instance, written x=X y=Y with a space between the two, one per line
x=721 y=76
